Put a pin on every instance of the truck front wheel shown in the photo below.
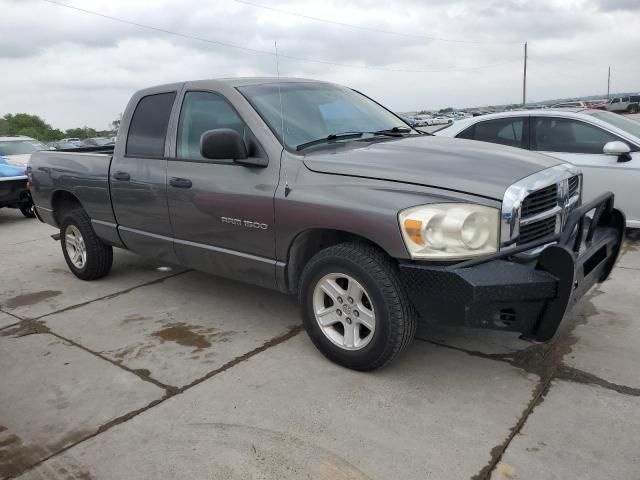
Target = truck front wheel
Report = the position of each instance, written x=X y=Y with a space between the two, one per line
x=87 y=257
x=355 y=307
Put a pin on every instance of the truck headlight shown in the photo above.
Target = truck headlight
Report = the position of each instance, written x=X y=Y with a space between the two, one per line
x=450 y=231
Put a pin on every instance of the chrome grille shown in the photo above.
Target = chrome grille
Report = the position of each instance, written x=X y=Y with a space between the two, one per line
x=536 y=230
x=574 y=184
x=540 y=201
x=543 y=211
x=538 y=206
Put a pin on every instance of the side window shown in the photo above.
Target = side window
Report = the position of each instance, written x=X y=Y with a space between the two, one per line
x=507 y=131
x=467 y=133
x=616 y=100
x=202 y=111
x=570 y=136
x=625 y=99
x=149 y=123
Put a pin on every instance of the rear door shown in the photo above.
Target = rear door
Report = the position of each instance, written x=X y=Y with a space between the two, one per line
x=222 y=213
x=138 y=177
x=511 y=131
x=581 y=144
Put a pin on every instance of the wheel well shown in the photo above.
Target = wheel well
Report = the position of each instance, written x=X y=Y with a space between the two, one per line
x=63 y=201
x=310 y=242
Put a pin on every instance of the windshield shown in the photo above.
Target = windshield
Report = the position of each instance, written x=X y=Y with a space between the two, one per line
x=20 y=147
x=630 y=126
x=316 y=110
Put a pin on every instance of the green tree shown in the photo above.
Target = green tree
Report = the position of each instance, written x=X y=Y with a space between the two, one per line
x=29 y=125
x=82 y=133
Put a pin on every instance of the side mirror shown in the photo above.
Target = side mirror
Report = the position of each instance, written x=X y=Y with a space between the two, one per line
x=222 y=144
x=620 y=149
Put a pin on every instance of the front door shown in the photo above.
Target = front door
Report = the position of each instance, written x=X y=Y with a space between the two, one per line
x=222 y=213
x=138 y=178
x=581 y=144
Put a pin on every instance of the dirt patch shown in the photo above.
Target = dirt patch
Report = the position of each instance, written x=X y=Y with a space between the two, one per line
x=31 y=298
x=194 y=336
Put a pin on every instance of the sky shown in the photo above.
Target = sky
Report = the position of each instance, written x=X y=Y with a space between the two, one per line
x=74 y=69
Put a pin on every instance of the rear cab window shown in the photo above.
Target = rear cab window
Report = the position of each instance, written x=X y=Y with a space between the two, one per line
x=149 y=124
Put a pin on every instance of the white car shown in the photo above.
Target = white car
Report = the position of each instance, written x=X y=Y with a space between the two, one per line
x=441 y=121
x=604 y=145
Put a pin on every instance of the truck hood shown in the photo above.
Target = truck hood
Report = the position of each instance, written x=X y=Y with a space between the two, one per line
x=468 y=166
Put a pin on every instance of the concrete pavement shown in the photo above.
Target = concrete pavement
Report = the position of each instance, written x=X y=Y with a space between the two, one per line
x=152 y=374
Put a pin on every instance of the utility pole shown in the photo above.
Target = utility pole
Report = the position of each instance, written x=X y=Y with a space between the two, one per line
x=608 y=83
x=524 y=78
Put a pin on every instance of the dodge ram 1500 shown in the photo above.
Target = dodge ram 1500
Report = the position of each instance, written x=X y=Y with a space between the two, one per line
x=314 y=189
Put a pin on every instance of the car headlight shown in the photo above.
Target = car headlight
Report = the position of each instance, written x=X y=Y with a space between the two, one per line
x=450 y=231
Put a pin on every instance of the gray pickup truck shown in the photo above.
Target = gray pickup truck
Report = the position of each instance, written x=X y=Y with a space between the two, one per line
x=314 y=189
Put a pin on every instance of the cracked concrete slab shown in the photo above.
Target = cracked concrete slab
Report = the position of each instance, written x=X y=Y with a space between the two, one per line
x=288 y=413
x=38 y=281
x=608 y=339
x=54 y=394
x=488 y=342
x=6 y=320
x=579 y=431
x=181 y=329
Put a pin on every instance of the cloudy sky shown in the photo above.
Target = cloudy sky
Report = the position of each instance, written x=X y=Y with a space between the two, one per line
x=74 y=68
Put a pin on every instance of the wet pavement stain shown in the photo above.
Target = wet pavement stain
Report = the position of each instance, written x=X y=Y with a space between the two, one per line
x=24 y=328
x=194 y=336
x=31 y=298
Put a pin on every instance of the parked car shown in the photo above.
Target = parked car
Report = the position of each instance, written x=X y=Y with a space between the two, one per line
x=410 y=120
x=630 y=104
x=604 y=145
x=441 y=120
x=15 y=152
x=96 y=142
x=314 y=189
x=574 y=104
x=74 y=140
x=63 y=145
x=423 y=120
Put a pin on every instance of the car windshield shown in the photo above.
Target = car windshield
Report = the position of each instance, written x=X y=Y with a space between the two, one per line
x=632 y=127
x=20 y=147
x=314 y=111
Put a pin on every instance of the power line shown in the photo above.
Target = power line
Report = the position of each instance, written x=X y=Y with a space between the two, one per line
x=371 y=29
x=265 y=52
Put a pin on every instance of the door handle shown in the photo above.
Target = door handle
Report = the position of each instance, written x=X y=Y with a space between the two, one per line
x=122 y=176
x=180 y=182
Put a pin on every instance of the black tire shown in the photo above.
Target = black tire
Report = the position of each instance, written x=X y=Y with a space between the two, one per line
x=99 y=257
x=633 y=109
x=27 y=211
x=395 y=317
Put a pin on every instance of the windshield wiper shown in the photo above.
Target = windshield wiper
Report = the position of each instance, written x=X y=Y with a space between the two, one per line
x=395 y=131
x=390 y=132
x=329 y=138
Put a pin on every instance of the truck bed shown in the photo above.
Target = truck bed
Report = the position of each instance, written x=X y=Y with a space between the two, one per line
x=85 y=174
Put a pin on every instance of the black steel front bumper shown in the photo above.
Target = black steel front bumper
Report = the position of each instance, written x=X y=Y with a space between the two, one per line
x=505 y=292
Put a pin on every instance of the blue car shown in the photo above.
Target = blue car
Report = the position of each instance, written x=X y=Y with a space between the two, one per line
x=13 y=188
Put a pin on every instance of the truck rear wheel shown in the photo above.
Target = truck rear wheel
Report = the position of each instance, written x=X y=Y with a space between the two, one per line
x=86 y=255
x=355 y=307
x=633 y=109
